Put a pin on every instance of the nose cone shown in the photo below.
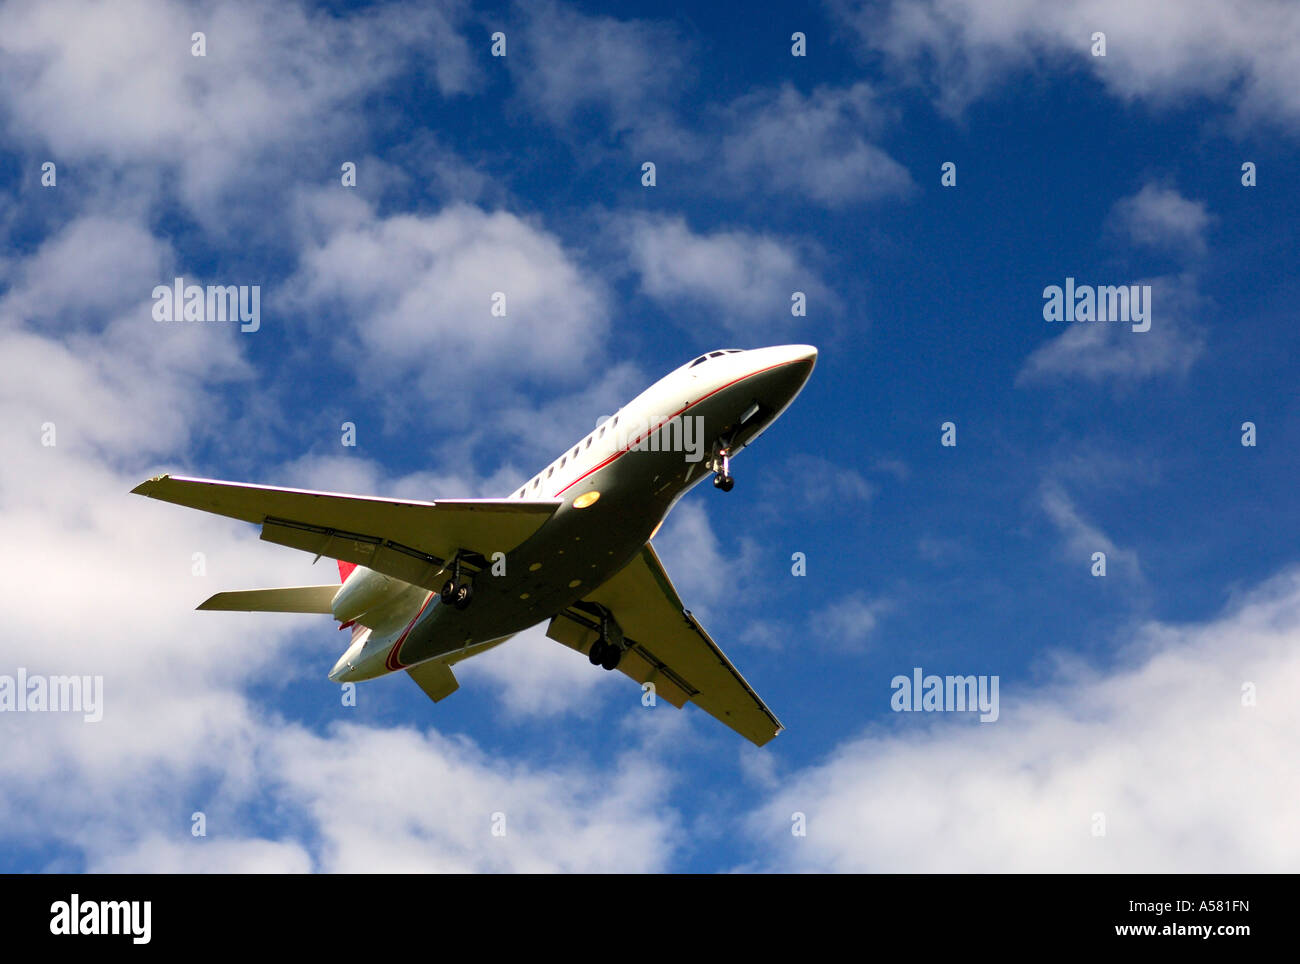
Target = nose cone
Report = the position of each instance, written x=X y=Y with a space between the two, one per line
x=800 y=359
x=802 y=353
x=779 y=373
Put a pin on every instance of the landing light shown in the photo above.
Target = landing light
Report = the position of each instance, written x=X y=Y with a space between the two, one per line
x=586 y=499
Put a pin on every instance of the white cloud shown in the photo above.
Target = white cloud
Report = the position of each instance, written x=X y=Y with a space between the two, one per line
x=401 y=801
x=568 y=65
x=1187 y=777
x=415 y=294
x=1082 y=538
x=90 y=270
x=536 y=676
x=1167 y=52
x=848 y=623
x=199 y=855
x=1098 y=351
x=1159 y=217
x=693 y=555
x=86 y=81
x=809 y=483
x=783 y=142
x=626 y=78
x=740 y=280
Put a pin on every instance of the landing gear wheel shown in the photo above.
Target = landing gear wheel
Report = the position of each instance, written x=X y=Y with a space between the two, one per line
x=464 y=594
x=597 y=653
x=610 y=658
x=448 y=594
x=724 y=482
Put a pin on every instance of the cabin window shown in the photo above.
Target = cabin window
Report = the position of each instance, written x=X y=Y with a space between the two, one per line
x=563 y=460
x=588 y=445
x=550 y=471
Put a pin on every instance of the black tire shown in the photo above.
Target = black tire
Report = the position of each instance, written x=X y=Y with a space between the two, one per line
x=597 y=653
x=610 y=658
x=448 y=594
x=727 y=483
x=464 y=594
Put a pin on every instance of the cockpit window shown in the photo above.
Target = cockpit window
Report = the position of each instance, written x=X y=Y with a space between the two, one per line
x=714 y=354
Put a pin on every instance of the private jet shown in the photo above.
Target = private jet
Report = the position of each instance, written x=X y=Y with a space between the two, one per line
x=424 y=585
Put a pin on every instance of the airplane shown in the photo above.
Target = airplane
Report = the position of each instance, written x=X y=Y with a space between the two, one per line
x=425 y=585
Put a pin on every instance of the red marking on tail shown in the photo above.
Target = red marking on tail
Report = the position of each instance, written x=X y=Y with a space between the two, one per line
x=345 y=570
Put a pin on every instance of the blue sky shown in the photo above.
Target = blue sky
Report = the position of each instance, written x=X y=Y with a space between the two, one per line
x=1158 y=696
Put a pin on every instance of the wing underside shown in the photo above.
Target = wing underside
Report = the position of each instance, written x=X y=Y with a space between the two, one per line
x=667 y=646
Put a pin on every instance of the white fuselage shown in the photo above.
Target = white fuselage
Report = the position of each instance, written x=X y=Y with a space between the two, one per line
x=615 y=487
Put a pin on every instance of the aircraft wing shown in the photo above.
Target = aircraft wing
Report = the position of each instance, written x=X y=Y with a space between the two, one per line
x=667 y=646
x=408 y=540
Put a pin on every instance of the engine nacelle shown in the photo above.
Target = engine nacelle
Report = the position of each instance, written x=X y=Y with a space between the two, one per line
x=364 y=591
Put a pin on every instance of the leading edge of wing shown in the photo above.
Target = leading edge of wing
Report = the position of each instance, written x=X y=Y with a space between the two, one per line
x=177 y=488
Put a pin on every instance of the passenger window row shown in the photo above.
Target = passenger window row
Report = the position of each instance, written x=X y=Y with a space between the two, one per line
x=585 y=444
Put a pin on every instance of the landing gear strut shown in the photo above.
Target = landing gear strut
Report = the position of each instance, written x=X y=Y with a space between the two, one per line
x=720 y=464
x=607 y=651
x=454 y=592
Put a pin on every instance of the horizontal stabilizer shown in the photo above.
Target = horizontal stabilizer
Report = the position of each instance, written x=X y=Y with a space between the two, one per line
x=290 y=599
x=436 y=679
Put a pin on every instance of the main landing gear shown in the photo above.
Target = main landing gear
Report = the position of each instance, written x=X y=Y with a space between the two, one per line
x=720 y=464
x=607 y=650
x=454 y=592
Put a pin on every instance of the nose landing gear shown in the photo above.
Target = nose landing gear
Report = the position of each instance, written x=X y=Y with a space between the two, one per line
x=720 y=464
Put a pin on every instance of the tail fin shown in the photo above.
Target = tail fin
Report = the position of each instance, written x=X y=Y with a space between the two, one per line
x=345 y=570
x=291 y=599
